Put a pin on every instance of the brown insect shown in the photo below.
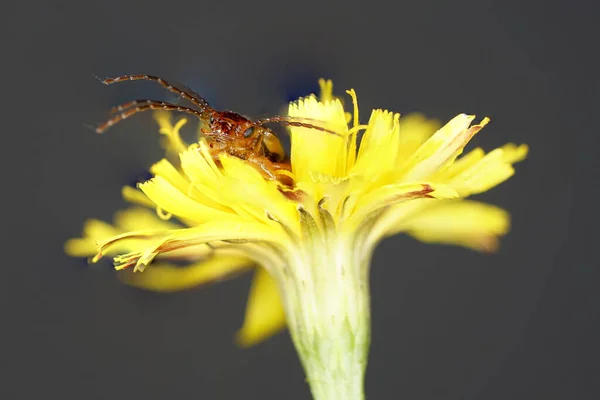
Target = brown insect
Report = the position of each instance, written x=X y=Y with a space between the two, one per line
x=226 y=131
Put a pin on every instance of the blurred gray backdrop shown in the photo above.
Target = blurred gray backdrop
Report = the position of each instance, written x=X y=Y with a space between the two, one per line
x=448 y=323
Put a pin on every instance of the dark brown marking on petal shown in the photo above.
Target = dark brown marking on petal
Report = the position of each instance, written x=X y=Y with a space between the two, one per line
x=426 y=189
x=292 y=194
x=418 y=194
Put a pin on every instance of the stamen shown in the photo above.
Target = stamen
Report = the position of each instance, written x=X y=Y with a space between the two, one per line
x=352 y=94
x=357 y=128
x=162 y=214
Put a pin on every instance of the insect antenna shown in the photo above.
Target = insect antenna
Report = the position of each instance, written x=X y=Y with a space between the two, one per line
x=185 y=93
x=147 y=105
x=129 y=104
x=298 y=122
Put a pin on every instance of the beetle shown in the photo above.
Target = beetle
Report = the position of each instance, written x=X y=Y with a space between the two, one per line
x=225 y=131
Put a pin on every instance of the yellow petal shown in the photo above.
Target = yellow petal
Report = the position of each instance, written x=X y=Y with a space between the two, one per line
x=253 y=194
x=413 y=131
x=465 y=223
x=265 y=315
x=326 y=90
x=160 y=241
x=377 y=156
x=460 y=165
x=164 y=277
x=173 y=201
x=220 y=185
x=136 y=196
x=326 y=94
x=93 y=231
x=441 y=149
x=173 y=144
x=237 y=184
x=513 y=154
x=136 y=218
x=167 y=171
x=316 y=153
x=203 y=173
x=389 y=195
x=489 y=171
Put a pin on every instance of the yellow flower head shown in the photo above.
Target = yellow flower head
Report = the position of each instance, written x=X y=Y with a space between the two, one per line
x=312 y=240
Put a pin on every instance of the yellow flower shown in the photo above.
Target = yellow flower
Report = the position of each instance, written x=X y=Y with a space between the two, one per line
x=312 y=242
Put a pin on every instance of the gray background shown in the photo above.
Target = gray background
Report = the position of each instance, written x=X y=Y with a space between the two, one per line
x=448 y=323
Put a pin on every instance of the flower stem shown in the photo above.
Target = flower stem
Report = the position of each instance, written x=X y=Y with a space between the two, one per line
x=328 y=306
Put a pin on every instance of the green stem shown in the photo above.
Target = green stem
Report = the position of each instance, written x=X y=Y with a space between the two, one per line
x=328 y=312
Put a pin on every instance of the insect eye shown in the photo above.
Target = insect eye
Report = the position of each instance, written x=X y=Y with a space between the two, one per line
x=249 y=132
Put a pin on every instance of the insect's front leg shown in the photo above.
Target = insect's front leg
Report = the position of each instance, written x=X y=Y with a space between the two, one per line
x=261 y=165
x=257 y=146
x=270 y=170
x=215 y=147
x=273 y=146
x=280 y=166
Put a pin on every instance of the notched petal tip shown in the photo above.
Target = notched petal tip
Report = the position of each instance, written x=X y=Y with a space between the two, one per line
x=442 y=148
x=326 y=89
x=484 y=121
x=514 y=154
